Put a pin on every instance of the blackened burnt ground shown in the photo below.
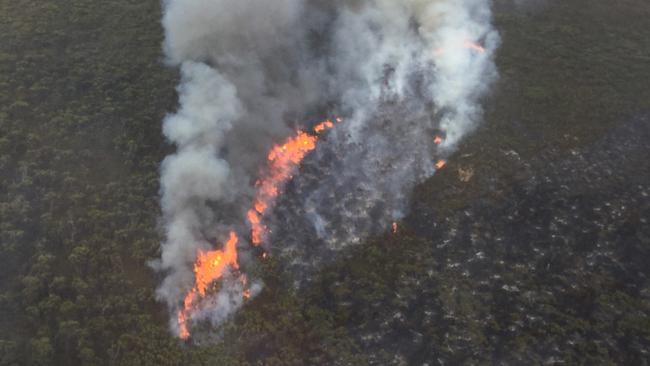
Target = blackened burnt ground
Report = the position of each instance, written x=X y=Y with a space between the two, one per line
x=536 y=256
x=546 y=265
x=532 y=245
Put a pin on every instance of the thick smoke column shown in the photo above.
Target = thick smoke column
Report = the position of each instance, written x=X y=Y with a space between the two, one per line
x=253 y=71
x=406 y=71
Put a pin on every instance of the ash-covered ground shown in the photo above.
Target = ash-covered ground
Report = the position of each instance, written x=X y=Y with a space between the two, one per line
x=530 y=247
x=533 y=244
x=548 y=263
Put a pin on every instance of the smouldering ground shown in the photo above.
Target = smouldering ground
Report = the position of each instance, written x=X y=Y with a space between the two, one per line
x=539 y=256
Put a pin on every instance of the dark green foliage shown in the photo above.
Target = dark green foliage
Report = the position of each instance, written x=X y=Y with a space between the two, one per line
x=83 y=91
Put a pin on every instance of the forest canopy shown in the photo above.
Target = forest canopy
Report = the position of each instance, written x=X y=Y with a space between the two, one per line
x=543 y=268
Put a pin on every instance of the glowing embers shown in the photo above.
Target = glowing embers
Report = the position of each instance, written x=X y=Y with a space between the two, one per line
x=466 y=44
x=283 y=160
x=326 y=125
x=209 y=267
x=474 y=46
x=439 y=139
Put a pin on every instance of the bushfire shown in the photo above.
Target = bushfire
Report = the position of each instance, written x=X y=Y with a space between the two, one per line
x=210 y=266
x=282 y=161
x=467 y=44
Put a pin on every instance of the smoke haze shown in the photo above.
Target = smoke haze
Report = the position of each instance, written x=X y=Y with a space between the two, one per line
x=398 y=73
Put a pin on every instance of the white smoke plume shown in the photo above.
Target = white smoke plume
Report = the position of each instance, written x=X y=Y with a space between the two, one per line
x=398 y=72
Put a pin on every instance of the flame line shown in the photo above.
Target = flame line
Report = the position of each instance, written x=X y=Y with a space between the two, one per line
x=283 y=159
x=210 y=266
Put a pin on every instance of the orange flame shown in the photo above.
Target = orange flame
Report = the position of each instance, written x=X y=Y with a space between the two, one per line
x=438 y=140
x=209 y=267
x=467 y=44
x=474 y=46
x=394 y=228
x=441 y=164
x=283 y=159
x=323 y=126
x=182 y=325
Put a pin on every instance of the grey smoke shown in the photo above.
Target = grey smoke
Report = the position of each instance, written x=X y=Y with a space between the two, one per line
x=253 y=71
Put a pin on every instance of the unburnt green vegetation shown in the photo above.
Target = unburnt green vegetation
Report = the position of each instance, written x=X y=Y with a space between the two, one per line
x=83 y=89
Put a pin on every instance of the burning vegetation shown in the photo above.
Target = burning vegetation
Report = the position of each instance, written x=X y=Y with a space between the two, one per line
x=282 y=161
x=211 y=266
x=533 y=249
x=396 y=70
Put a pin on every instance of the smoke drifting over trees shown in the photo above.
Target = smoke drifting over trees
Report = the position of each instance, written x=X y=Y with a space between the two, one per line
x=531 y=246
x=398 y=73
